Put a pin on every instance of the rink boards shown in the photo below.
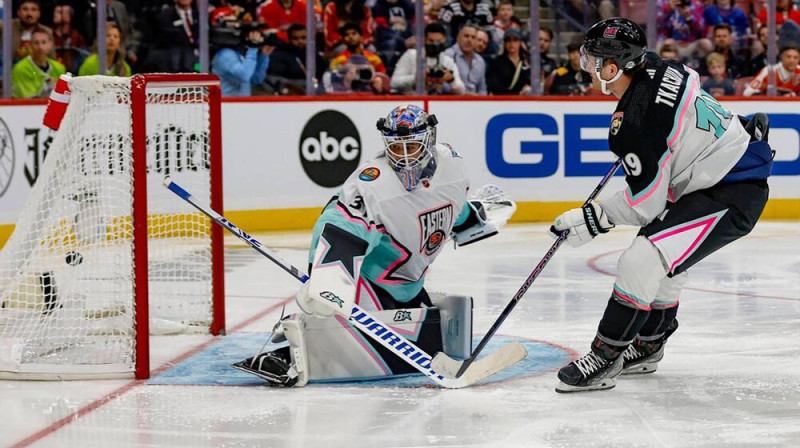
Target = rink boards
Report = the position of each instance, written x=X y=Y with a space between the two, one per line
x=284 y=158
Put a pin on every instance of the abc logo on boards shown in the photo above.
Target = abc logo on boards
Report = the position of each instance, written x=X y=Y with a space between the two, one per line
x=330 y=148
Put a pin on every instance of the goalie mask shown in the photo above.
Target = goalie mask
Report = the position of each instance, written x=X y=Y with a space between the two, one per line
x=409 y=136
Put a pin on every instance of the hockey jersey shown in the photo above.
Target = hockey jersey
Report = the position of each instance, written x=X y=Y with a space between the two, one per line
x=673 y=138
x=383 y=233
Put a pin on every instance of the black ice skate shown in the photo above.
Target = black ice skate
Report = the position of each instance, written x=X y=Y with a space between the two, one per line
x=643 y=356
x=274 y=367
x=596 y=370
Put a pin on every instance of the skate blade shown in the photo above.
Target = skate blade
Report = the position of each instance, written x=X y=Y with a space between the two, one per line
x=272 y=380
x=564 y=388
x=641 y=369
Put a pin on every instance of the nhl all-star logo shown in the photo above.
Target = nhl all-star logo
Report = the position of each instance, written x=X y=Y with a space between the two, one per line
x=401 y=316
x=434 y=226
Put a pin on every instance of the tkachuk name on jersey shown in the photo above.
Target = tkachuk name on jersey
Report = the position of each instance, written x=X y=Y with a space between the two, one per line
x=669 y=87
x=399 y=343
x=434 y=226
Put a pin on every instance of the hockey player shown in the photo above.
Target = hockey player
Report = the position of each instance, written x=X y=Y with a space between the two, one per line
x=696 y=179
x=373 y=245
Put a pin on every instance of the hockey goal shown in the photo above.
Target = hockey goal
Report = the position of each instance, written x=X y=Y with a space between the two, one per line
x=102 y=255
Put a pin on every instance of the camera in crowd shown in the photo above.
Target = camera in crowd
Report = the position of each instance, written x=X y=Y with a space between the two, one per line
x=233 y=28
x=437 y=71
x=364 y=74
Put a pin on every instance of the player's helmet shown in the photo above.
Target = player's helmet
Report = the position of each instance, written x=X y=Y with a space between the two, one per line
x=409 y=135
x=618 y=39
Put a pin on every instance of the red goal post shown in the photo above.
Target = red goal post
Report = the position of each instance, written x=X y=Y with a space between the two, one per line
x=139 y=101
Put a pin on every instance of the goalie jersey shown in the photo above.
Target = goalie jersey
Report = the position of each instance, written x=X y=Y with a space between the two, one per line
x=673 y=139
x=375 y=230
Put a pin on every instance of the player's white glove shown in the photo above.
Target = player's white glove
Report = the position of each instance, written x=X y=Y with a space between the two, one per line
x=313 y=304
x=583 y=223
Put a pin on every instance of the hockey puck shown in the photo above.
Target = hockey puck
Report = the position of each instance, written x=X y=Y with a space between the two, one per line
x=74 y=258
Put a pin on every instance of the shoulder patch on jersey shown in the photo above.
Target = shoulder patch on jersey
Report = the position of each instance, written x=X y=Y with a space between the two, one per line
x=369 y=174
x=616 y=122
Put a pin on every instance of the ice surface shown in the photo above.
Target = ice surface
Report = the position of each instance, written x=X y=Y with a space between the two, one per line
x=730 y=377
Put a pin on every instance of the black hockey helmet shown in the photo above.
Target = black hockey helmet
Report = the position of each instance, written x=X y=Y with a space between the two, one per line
x=618 y=39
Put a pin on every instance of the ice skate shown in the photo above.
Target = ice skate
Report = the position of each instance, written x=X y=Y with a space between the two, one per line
x=596 y=370
x=274 y=367
x=642 y=357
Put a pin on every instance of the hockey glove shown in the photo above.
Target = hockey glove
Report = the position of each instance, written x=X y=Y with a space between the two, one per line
x=583 y=223
x=475 y=227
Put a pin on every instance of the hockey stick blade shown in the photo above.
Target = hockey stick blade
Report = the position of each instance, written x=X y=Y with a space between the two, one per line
x=483 y=368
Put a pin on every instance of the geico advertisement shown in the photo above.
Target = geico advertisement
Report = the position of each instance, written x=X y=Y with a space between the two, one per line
x=558 y=151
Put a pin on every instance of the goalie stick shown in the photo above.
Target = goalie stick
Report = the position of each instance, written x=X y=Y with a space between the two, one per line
x=443 y=374
x=462 y=367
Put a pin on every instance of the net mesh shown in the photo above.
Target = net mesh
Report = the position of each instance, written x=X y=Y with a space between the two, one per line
x=67 y=273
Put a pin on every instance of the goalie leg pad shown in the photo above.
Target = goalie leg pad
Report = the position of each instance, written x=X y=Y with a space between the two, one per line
x=337 y=351
x=456 y=318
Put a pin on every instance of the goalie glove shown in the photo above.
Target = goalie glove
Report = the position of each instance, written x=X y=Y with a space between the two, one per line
x=490 y=208
x=476 y=227
x=583 y=223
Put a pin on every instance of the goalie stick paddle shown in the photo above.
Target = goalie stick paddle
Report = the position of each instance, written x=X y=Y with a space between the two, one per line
x=464 y=366
x=444 y=371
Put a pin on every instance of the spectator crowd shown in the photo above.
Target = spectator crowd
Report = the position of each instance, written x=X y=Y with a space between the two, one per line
x=471 y=47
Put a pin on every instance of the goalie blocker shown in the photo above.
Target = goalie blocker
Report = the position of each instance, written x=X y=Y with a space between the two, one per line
x=312 y=348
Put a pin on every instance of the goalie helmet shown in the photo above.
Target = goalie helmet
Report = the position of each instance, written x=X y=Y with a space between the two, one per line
x=619 y=39
x=409 y=136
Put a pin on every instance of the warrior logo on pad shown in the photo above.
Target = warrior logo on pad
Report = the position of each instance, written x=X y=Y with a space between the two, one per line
x=434 y=226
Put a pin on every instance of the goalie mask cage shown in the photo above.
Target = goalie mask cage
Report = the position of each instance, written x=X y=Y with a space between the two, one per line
x=102 y=255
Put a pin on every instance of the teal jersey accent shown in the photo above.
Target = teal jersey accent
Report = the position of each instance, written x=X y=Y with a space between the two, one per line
x=382 y=253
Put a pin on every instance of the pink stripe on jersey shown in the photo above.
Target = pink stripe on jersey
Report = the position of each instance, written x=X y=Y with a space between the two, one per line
x=352 y=218
x=708 y=223
x=691 y=88
x=372 y=227
x=618 y=292
x=653 y=187
x=362 y=285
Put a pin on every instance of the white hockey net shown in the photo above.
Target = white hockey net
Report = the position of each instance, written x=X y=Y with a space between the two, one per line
x=67 y=274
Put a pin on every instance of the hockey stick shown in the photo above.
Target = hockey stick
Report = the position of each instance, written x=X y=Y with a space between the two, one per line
x=372 y=327
x=448 y=364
